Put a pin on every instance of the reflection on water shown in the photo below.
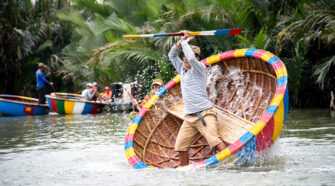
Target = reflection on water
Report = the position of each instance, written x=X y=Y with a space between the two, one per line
x=54 y=131
x=88 y=150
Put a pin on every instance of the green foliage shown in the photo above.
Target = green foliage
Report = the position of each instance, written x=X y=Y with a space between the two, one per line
x=82 y=39
x=261 y=41
x=321 y=70
x=313 y=31
x=296 y=71
x=29 y=33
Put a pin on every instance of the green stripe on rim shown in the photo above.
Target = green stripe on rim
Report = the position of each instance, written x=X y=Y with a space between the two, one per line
x=60 y=106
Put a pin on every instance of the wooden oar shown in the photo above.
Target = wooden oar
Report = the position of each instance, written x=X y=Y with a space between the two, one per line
x=53 y=88
x=201 y=33
x=132 y=99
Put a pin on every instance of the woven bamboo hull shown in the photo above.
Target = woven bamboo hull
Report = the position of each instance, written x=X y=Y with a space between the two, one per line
x=250 y=83
x=21 y=106
x=66 y=103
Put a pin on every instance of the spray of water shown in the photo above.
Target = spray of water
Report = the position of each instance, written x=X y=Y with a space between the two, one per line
x=233 y=88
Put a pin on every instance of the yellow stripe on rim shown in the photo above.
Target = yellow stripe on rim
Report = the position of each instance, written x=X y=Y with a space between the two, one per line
x=148 y=105
x=240 y=52
x=132 y=128
x=213 y=59
x=131 y=152
x=27 y=98
x=127 y=153
x=279 y=121
x=257 y=128
x=154 y=98
x=281 y=72
x=151 y=101
x=277 y=99
x=177 y=78
x=266 y=56
x=223 y=154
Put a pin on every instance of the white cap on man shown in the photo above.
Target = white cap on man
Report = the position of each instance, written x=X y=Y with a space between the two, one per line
x=89 y=84
x=94 y=84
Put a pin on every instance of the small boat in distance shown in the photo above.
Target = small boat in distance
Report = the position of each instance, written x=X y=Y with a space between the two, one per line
x=68 y=103
x=123 y=93
x=13 y=105
x=247 y=88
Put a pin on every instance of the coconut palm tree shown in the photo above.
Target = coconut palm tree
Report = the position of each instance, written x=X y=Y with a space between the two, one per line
x=316 y=30
x=29 y=35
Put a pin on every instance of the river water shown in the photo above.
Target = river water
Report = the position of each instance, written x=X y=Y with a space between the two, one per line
x=88 y=150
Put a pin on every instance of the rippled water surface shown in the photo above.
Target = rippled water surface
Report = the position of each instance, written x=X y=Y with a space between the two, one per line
x=88 y=150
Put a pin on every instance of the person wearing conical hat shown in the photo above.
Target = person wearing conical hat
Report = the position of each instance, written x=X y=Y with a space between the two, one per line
x=155 y=86
x=199 y=114
x=41 y=79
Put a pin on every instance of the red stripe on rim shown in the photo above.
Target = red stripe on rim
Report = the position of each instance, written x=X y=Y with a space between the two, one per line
x=278 y=65
x=200 y=165
x=227 y=55
x=142 y=112
x=281 y=90
x=170 y=84
x=259 y=54
x=264 y=138
x=235 y=146
x=133 y=160
x=266 y=117
x=204 y=61
x=129 y=137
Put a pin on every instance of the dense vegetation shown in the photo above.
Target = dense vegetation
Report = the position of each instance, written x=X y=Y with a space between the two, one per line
x=80 y=40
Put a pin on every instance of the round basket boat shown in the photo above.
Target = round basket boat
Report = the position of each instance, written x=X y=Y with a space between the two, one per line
x=21 y=106
x=67 y=103
x=248 y=90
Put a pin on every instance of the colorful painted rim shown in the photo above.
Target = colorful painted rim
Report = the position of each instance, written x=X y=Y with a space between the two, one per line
x=4 y=96
x=271 y=121
x=63 y=105
x=23 y=107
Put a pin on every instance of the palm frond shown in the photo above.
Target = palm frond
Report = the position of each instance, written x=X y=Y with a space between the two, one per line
x=321 y=71
x=76 y=18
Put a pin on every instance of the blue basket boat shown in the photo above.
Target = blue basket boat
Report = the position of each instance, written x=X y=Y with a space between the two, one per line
x=13 y=105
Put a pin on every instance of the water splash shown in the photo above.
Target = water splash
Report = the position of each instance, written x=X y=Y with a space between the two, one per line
x=213 y=74
x=236 y=90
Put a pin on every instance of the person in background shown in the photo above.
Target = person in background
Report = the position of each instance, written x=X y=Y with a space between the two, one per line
x=155 y=86
x=107 y=95
x=87 y=94
x=40 y=80
x=95 y=92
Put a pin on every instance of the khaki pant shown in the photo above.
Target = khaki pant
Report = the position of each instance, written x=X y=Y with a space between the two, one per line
x=192 y=124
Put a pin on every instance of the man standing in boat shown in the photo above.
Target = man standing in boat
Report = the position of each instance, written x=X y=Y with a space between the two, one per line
x=199 y=114
x=40 y=80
